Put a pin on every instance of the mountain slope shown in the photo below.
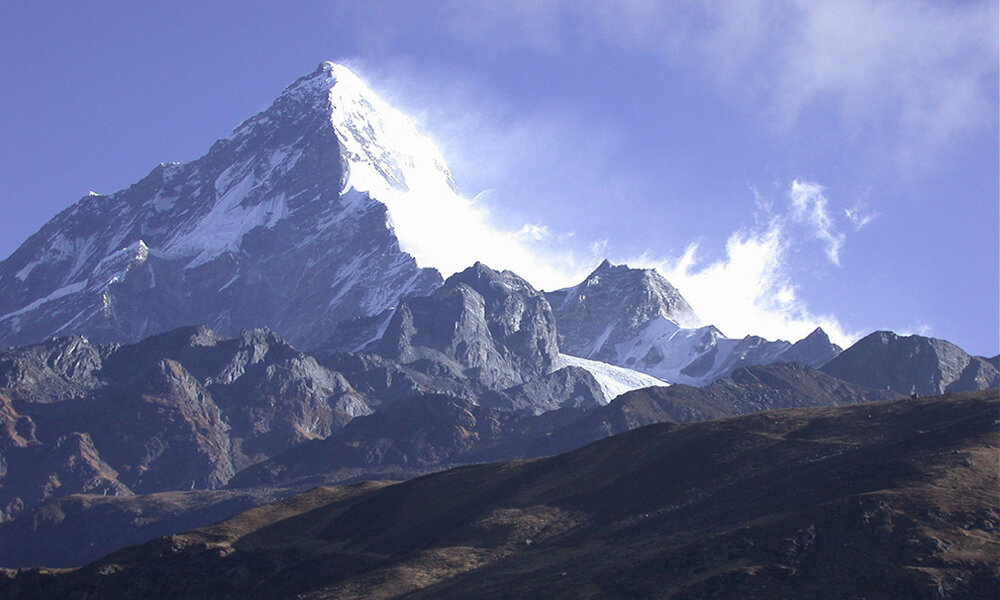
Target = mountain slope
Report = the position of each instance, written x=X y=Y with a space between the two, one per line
x=912 y=364
x=276 y=226
x=899 y=495
x=490 y=326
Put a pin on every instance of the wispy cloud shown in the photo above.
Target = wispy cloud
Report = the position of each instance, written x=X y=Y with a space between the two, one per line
x=751 y=291
x=860 y=215
x=520 y=158
x=809 y=207
x=911 y=76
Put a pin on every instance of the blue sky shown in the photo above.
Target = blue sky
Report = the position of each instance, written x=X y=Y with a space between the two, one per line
x=784 y=163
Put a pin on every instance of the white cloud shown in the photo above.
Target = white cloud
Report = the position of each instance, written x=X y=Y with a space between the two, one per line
x=860 y=215
x=528 y=163
x=809 y=207
x=748 y=292
x=599 y=248
x=534 y=231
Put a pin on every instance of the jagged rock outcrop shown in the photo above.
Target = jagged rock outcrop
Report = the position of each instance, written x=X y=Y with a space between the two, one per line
x=573 y=387
x=814 y=350
x=489 y=326
x=71 y=464
x=912 y=364
x=611 y=306
x=53 y=371
x=184 y=409
x=413 y=436
x=166 y=434
x=409 y=437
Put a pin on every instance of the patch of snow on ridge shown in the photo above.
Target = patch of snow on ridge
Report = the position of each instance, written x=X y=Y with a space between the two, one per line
x=27 y=269
x=223 y=228
x=614 y=381
x=59 y=293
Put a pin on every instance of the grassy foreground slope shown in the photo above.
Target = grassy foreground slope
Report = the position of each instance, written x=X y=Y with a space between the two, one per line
x=894 y=499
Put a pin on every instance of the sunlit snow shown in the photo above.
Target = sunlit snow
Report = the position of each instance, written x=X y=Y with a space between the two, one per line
x=614 y=381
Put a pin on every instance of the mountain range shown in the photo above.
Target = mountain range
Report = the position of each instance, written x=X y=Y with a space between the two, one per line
x=243 y=327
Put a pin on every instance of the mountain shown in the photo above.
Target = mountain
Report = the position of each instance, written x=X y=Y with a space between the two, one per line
x=489 y=336
x=611 y=306
x=412 y=437
x=912 y=364
x=280 y=226
x=490 y=326
x=814 y=350
x=636 y=319
x=189 y=408
x=900 y=496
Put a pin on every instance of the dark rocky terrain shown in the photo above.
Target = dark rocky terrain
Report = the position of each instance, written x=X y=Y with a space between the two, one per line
x=890 y=500
x=491 y=327
x=72 y=530
x=405 y=438
x=183 y=410
x=430 y=433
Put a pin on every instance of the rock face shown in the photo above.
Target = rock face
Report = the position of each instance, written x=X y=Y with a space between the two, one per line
x=571 y=386
x=611 y=306
x=432 y=431
x=912 y=364
x=785 y=501
x=182 y=410
x=276 y=226
x=634 y=318
x=814 y=350
x=491 y=327
x=413 y=436
x=413 y=433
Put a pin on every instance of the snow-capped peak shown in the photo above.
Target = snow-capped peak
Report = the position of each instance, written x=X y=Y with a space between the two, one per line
x=305 y=183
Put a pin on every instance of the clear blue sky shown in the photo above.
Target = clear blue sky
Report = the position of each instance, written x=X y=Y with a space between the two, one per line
x=821 y=162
